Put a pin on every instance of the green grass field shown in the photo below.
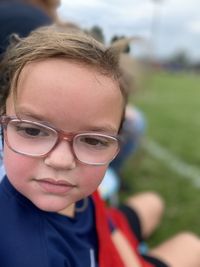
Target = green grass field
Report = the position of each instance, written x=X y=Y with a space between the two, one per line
x=171 y=104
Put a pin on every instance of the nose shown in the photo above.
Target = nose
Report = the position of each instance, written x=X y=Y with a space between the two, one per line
x=61 y=157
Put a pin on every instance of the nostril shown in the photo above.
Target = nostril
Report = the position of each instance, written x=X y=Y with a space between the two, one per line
x=69 y=165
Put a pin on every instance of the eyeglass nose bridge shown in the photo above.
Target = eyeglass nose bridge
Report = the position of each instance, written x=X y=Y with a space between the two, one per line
x=65 y=136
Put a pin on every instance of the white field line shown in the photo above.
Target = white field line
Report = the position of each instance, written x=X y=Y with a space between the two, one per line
x=180 y=167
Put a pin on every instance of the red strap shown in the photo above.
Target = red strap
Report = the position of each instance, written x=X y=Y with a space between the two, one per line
x=108 y=255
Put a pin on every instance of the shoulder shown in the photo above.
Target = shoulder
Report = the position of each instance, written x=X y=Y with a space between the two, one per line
x=17 y=11
x=19 y=18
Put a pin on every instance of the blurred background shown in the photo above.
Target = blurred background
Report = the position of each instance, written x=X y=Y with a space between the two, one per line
x=166 y=70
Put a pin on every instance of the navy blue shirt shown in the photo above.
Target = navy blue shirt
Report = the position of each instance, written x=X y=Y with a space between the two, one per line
x=20 y=18
x=30 y=237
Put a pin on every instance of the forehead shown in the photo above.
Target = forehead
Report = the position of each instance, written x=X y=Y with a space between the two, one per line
x=71 y=74
x=62 y=87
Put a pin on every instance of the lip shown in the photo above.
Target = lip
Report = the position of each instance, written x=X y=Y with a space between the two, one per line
x=53 y=186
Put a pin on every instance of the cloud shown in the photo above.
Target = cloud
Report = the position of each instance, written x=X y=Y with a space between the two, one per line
x=194 y=27
x=177 y=21
x=114 y=16
x=78 y=3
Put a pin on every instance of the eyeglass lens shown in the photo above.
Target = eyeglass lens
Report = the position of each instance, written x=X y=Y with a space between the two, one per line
x=35 y=139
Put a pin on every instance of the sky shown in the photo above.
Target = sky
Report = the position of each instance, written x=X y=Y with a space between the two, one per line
x=168 y=25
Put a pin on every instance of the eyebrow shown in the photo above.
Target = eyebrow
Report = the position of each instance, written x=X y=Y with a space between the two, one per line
x=33 y=116
x=23 y=114
x=105 y=129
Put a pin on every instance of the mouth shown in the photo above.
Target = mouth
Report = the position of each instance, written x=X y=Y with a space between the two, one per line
x=55 y=186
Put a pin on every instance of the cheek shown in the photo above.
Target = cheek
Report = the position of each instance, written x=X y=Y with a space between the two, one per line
x=91 y=178
x=18 y=167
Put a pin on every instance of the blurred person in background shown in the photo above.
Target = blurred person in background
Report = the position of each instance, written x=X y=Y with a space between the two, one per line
x=23 y=16
x=134 y=125
x=132 y=131
x=143 y=211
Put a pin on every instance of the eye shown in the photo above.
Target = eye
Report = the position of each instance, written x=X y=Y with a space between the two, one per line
x=31 y=131
x=95 y=141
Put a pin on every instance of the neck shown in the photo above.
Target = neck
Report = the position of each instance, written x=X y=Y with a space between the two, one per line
x=50 y=8
x=69 y=211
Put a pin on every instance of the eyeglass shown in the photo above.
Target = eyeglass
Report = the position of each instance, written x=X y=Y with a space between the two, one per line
x=37 y=140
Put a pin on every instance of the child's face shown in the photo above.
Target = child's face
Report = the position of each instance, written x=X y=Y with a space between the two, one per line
x=73 y=98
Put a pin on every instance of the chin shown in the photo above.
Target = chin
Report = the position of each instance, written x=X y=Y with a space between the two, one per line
x=51 y=206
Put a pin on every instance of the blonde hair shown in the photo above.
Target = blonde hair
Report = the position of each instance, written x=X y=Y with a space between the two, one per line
x=48 y=42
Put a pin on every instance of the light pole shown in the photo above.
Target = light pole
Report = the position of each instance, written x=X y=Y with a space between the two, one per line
x=155 y=16
x=155 y=23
